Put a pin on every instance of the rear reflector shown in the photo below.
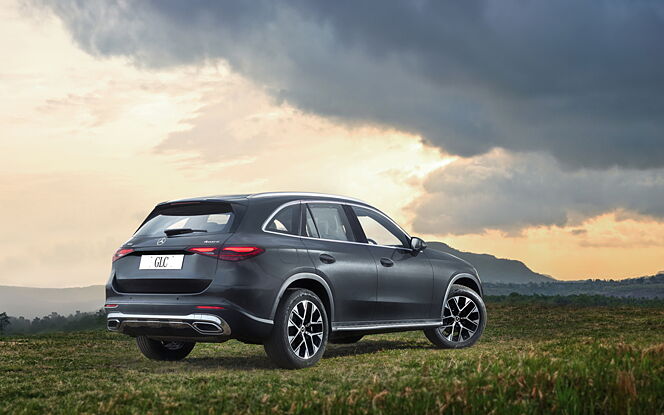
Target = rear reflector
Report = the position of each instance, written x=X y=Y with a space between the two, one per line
x=121 y=252
x=209 y=307
x=238 y=253
x=110 y=306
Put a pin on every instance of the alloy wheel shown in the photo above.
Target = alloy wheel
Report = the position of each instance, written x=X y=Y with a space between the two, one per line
x=305 y=329
x=461 y=319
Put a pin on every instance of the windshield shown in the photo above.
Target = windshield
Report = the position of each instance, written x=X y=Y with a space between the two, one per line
x=209 y=218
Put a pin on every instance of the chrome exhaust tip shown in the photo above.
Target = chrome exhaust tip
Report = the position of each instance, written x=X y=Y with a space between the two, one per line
x=206 y=327
x=113 y=324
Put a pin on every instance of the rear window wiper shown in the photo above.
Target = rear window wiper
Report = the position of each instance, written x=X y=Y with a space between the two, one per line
x=179 y=231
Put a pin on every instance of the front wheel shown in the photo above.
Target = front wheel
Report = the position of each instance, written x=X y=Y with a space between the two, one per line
x=464 y=319
x=300 y=331
x=163 y=350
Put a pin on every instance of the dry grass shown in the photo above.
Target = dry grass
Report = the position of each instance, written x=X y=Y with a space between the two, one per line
x=533 y=359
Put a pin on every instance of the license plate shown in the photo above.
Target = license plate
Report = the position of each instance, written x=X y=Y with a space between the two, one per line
x=161 y=262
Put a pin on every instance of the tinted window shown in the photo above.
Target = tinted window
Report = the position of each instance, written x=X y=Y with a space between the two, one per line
x=213 y=218
x=378 y=229
x=286 y=220
x=331 y=221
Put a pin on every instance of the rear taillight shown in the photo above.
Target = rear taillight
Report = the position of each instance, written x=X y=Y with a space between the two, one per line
x=238 y=253
x=228 y=253
x=205 y=250
x=121 y=252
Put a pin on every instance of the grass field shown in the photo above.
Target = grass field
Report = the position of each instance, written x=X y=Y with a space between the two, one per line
x=534 y=358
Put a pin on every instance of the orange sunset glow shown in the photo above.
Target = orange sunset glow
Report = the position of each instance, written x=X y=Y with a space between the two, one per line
x=91 y=142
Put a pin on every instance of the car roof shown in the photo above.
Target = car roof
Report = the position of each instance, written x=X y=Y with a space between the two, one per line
x=273 y=196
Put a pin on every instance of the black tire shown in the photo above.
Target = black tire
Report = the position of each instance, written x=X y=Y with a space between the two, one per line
x=346 y=339
x=459 y=336
x=308 y=345
x=163 y=350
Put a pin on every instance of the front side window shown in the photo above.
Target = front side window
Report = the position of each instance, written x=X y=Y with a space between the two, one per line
x=194 y=217
x=331 y=221
x=378 y=229
x=287 y=220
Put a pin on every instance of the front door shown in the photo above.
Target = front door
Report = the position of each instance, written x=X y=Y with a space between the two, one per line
x=405 y=277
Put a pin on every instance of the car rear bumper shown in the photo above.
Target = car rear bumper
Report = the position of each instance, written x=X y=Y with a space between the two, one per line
x=168 y=320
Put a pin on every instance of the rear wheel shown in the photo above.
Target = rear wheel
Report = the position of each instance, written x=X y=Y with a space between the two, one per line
x=300 y=331
x=163 y=350
x=464 y=319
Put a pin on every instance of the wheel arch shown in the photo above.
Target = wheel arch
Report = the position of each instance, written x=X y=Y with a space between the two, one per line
x=312 y=282
x=467 y=280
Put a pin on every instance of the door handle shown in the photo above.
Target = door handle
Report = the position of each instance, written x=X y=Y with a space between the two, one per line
x=386 y=262
x=326 y=259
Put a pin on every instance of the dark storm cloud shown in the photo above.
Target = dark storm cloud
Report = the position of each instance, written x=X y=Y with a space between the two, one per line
x=515 y=192
x=582 y=81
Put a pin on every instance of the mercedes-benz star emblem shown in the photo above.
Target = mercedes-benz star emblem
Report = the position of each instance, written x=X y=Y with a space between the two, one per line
x=161 y=241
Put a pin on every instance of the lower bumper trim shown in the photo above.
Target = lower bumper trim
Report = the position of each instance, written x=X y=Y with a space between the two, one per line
x=187 y=325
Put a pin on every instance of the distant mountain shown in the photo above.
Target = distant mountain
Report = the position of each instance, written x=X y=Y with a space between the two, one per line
x=37 y=302
x=641 y=287
x=495 y=270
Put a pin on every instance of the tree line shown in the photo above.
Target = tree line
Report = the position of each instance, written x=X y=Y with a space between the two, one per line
x=52 y=322
x=642 y=287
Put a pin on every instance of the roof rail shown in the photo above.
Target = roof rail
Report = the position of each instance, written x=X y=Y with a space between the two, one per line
x=313 y=194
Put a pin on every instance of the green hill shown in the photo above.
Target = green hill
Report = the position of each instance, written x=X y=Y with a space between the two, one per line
x=492 y=269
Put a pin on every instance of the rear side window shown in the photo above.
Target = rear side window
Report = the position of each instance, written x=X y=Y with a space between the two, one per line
x=287 y=220
x=331 y=221
x=208 y=217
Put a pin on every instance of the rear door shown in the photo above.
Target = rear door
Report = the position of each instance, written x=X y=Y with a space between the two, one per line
x=174 y=249
x=405 y=277
x=331 y=243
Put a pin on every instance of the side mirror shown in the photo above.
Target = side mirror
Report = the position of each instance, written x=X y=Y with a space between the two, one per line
x=417 y=244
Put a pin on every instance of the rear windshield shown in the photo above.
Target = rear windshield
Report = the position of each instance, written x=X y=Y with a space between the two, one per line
x=210 y=217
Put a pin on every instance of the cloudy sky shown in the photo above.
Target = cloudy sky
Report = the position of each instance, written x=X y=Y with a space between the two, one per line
x=530 y=130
